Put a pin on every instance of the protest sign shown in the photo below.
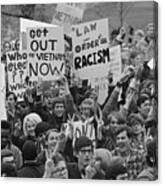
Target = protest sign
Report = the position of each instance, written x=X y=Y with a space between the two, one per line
x=12 y=45
x=90 y=47
x=91 y=51
x=83 y=129
x=17 y=72
x=24 y=24
x=3 y=114
x=67 y=14
x=101 y=80
x=45 y=46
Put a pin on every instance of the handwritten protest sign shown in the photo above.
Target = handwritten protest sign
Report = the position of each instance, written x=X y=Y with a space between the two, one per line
x=68 y=14
x=90 y=47
x=3 y=115
x=12 y=45
x=26 y=23
x=91 y=50
x=83 y=129
x=45 y=47
x=17 y=72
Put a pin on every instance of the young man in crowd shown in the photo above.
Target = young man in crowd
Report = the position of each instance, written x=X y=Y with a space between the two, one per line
x=150 y=172
x=85 y=168
x=133 y=160
x=6 y=143
x=12 y=114
x=31 y=167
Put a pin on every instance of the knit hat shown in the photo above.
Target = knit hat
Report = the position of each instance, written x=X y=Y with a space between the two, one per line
x=29 y=150
x=83 y=141
x=33 y=118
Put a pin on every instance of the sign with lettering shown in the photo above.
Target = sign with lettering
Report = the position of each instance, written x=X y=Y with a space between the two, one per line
x=67 y=14
x=3 y=114
x=115 y=66
x=45 y=47
x=26 y=23
x=83 y=129
x=90 y=47
x=17 y=72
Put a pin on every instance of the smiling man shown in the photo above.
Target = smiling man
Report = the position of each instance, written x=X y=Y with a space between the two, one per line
x=133 y=160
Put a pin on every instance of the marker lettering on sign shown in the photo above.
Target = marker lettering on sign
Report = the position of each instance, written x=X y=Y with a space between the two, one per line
x=43 y=69
x=13 y=75
x=85 y=30
x=38 y=33
x=36 y=45
x=50 y=56
x=16 y=56
x=16 y=66
x=101 y=56
x=17 y=86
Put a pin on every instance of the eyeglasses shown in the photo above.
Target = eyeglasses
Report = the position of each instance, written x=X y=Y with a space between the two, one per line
x=84 y=151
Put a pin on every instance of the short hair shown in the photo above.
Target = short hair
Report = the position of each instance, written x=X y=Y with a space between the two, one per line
x=5 y=125
x=41 y=127
x=49 y=131
x=134 y=119
x=58 y=100
x=142 y=99
x=11 y=93
x=81 y=142
x=128 y=130
x=118 y=116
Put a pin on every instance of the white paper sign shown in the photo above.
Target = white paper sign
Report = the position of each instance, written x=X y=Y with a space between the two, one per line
x=45 y=46
x=17 y=71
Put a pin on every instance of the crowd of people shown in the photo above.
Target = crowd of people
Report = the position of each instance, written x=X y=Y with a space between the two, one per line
x=38 y=141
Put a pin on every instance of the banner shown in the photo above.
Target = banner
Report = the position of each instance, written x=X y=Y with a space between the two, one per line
x=45 y=46
x=17 y=72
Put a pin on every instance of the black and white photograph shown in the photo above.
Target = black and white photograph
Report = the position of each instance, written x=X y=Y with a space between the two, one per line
x=79 y=90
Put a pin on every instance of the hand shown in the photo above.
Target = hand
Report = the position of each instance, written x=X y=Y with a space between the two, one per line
x=90 y=170
x=100 y=124
x=17 y=130
x=70 y=122
x=48 y=165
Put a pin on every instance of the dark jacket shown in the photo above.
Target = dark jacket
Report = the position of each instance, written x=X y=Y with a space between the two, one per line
x=31 y=170
x=74 y=173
